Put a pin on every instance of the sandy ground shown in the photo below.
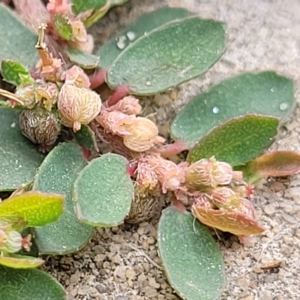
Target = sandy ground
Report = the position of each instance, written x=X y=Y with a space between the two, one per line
x=122 y=262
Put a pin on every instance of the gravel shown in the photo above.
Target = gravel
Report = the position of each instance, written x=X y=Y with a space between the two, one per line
x=122 y=262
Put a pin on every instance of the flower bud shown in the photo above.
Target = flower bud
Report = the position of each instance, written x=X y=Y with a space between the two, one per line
x=10 y=241
x=145 y=206
x=115 y=122
x=76 y=76
x=208 y=173
x=128 y=105
x=77 y=106
x=225 y=197
x=28 y=94
x=143 y=135
x=40 y=126
x=146 y=177
x=47 y=94
x=86 y=46
x=79 y=31
x=170 y=175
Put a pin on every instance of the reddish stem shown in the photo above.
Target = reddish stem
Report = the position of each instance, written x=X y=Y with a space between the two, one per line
x=119 y=93
x=98 y=79
x=172 y=149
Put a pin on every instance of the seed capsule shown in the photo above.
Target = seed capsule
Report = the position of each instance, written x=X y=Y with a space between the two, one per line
x=77 y=106
x=40 y=126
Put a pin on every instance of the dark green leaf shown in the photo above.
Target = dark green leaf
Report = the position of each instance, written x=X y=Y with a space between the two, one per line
x=19 y=158
x=29 y=285
x=146 y=23
x=86 y=137
x=57 y=174
x=191 y=258
x=264 y=93
x=237 y=141
x=80 y=6
x=17 y=41
x=168 y=55
x=103 y=191
x=14 y=72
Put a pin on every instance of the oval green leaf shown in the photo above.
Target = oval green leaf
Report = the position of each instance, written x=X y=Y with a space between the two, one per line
x=57 y=174
x=191 y=258
x=237 y=141
x=29 y=284
x=264 y=93
x=80 y=6
x=277 y=164
x=103 y=191
x=19 y=158
x=20 y=262
x=168 y=55
x=82 y=59
x=38 y=209
x=146 y=23
x=16 y=39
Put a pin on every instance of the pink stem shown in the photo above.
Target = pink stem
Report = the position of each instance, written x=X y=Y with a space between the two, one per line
x=98 y=79
x=119 y=93
x=172 y=149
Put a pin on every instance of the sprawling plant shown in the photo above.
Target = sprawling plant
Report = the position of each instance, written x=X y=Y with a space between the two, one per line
x=54 y=124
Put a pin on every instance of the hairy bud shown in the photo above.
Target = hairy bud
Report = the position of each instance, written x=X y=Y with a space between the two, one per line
x=47 y=94
x=208 y=173
x=76 y=76
x=143 y=135
x=128 y=105
x=77 y=106
x=40 y=126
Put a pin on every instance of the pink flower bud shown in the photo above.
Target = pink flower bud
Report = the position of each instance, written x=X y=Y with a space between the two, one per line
x=40 y=126
x=77 y=106
x=59 y=6
x=128 y=105
x=146 y=177
x=143 y=135
x=77 y=77
x=225 y=197
x=47 y=94
x=208 y=173
x=170 y=175
x=115 y=122
x=86 y=46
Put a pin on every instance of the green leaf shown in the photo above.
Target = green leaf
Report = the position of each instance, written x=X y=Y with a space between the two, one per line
x=277 y=164
x=168 y=55
x=63 y=27
x=103 y=191
x=57 y=174
x=264 y=93
x=17 y=40
x=29 y=285
x=19 y=158
x=79 y=6
x=190 y=256
x=14 y=72
x=20 y=262
x=146 y=23
x=82 y=59
x=86 y=137
x=38 y=209
x=237 y=141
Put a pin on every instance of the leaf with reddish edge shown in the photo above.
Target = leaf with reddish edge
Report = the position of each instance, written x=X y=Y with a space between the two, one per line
x=277 y=163
x=20 y=261
x=235 y=222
